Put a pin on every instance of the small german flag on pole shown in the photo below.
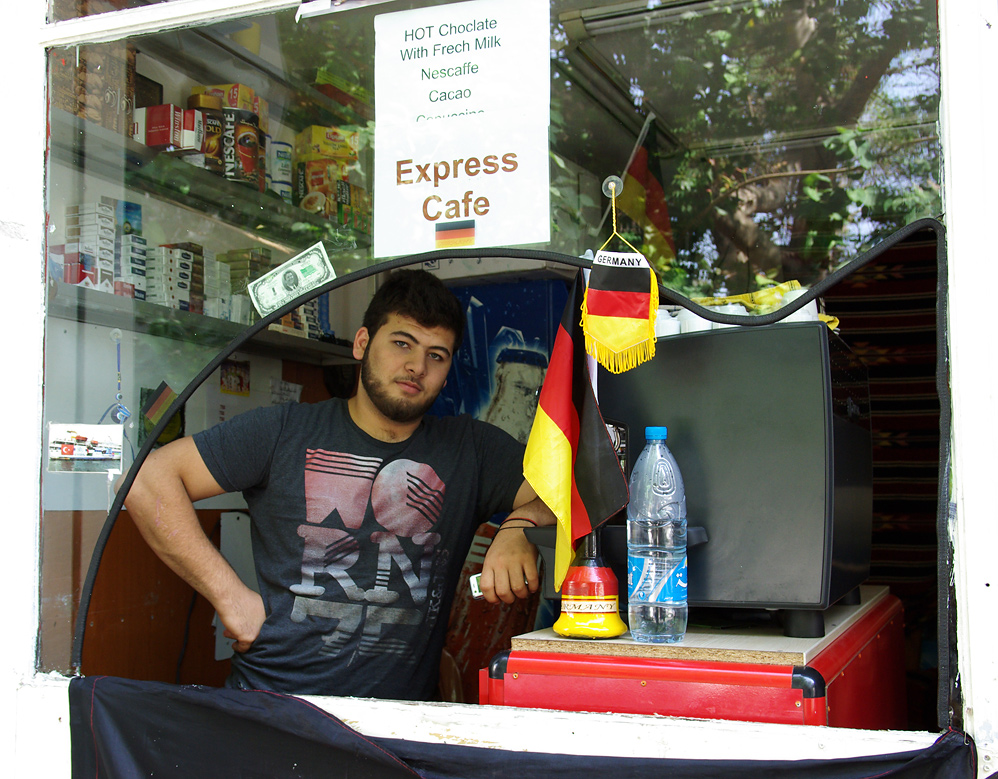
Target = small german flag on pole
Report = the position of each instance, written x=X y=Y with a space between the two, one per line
x=569 y=460
x=453 y=234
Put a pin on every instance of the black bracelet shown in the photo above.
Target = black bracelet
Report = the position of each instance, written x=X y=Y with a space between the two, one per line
x=503 y=526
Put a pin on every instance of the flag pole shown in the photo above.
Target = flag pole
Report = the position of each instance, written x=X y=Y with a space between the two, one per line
x=641 y=139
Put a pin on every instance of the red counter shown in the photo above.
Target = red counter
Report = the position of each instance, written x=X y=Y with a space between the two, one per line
x=852 y=677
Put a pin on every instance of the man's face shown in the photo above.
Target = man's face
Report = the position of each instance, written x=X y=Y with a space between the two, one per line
x=404 y=366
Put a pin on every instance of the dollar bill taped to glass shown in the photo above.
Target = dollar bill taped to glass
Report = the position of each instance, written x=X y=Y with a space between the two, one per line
x=302 y=273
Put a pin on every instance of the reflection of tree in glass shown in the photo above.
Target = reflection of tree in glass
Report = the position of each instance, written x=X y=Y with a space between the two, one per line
x=804 y=131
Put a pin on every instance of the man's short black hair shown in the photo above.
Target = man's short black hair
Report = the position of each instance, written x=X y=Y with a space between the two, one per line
x=418 y=295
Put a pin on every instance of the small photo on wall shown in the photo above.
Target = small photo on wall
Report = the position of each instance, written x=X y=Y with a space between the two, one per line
x=80 y=448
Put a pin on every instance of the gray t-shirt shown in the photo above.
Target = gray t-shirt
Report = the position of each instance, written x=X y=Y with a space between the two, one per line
x=358 y=543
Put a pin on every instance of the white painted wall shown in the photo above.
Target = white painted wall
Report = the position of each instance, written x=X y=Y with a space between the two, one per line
x=969 y=33
x=38 y=745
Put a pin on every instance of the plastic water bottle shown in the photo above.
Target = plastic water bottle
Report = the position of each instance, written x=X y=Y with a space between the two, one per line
x=656 y=544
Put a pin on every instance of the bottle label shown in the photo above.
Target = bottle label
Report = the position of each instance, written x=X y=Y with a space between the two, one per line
x=643 y=587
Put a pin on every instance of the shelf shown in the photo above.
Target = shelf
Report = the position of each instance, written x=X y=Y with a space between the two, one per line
x=90 y=306
x=97 y=151
x=210 y=58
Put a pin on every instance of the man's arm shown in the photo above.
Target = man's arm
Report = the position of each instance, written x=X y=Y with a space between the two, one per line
x=510 y=568
x=161 y=503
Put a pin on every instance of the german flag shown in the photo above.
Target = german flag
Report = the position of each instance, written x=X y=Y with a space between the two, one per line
x=618 y=316
x=643 y=200
x=159 y=401
x=453 y=234
x=569 y=460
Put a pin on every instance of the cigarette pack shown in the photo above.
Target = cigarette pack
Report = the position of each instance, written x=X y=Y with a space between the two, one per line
x=192 y=130
x=158 y=126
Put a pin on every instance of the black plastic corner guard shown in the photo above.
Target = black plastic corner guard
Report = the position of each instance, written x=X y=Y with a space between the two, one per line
x=497 y=668
x=810 y=681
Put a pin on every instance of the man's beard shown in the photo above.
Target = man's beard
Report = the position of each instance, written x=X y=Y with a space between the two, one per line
x=396 y=409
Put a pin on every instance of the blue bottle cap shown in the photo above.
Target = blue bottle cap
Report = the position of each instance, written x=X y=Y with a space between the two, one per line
x=656 y=433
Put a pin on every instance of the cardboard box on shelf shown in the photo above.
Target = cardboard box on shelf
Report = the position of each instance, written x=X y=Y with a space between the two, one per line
x=128 y=220
x=344 y=92
x=318 y=142
x=95 y=82
x=315 y=183
x=233 y=95
x=158 y=126
x=192 y=130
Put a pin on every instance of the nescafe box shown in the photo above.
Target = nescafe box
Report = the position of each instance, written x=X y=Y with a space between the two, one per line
x=240 y=146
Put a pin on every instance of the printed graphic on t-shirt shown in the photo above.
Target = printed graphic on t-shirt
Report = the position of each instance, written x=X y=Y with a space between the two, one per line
x=367 y=579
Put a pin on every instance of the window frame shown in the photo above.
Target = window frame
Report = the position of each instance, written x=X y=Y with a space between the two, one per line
x=969 y=47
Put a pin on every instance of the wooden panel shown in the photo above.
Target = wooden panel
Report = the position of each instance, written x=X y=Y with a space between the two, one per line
x=763 y=645
x=139 y=612
x=321 y=382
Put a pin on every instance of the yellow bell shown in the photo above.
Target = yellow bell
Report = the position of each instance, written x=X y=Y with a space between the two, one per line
x=589 y=602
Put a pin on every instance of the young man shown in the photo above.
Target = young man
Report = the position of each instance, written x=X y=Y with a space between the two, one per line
x=363 y=512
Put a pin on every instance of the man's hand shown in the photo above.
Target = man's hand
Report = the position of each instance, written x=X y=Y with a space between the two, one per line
x=510 y=568
x=243 y=619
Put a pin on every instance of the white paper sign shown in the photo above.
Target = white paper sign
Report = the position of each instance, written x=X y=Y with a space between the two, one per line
x=461 y=139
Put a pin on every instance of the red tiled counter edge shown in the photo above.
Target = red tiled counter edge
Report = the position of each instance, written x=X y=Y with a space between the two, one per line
x=857 y=681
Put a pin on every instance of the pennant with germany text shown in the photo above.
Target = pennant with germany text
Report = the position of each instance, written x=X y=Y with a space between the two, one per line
x=569 y=460
x=618 y=316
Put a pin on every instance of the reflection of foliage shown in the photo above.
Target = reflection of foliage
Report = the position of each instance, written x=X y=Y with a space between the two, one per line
x=571 y=209
x=805 y=131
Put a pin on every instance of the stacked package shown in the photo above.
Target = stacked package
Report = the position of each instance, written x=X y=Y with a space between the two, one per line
x=244 y=265
x=103 y=248
x=129 y=250
x=303 y=321
x=323 y=158
x=88 y=258
x=130 y=266
x=280 y=169
x=310 y=318
x=168 y=277
x=196 y=277
x=217 y=286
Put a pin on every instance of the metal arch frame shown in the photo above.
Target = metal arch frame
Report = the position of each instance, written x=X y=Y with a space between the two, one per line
x=944 y=554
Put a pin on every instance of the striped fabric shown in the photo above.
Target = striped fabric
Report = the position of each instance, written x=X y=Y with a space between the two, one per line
x=887 y=315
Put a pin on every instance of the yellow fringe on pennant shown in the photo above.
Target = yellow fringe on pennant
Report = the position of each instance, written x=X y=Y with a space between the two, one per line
x=605 y=347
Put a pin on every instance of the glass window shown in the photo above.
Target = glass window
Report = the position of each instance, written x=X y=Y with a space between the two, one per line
x=61 y=10
x=774 y=140
x=791 y=135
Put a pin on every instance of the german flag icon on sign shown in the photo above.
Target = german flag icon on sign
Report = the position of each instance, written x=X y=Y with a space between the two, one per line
x=453 y=234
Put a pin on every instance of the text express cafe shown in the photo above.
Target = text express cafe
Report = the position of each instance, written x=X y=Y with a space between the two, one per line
x=781 y=169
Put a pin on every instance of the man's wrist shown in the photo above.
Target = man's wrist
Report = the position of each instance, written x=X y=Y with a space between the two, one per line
x=504 y=525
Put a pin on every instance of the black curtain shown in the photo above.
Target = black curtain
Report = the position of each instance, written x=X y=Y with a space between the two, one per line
x=127 y=728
